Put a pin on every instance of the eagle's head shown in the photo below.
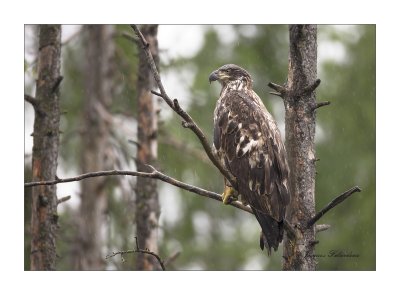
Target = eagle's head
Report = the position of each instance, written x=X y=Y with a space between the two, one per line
x=231 y=74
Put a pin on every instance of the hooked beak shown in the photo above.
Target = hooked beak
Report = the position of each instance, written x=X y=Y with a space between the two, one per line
x=213 y=77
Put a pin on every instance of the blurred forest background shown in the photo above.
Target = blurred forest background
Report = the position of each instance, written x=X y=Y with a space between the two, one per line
x=206 y=234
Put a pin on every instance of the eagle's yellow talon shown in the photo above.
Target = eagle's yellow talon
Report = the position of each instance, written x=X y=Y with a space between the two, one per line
x=227 y=195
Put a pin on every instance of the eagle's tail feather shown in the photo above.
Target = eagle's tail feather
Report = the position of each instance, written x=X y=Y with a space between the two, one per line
x=272 y=231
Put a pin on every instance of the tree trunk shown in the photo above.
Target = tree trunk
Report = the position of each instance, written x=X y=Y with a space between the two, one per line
x=300 y=103
x=45 y=149
x=147 y=204
x=96 y=148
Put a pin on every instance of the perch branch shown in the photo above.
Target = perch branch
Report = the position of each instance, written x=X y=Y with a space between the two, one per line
x=138 y=250
x=174 y=105
x=154 y=174
x=336 y=201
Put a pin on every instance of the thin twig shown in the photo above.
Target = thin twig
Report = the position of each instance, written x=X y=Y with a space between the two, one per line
x=154 y=174
x=321 y=104
x=136 y=143
x=90 y=175
x=172 y=258
x=153 y=68
x=156 y=93
x=276 y=93
x=278 y=88
x=35 y=104
x=310 y=88
x=31 y=100
x=63 y=199
x=137 y=243
x=138 y=250
x=57 y=84
x=73 y=36
x=322 y=227
x=174 y=105
x=332 y=204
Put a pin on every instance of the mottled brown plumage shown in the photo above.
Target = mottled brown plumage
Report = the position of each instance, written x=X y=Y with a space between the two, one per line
x=248 y=142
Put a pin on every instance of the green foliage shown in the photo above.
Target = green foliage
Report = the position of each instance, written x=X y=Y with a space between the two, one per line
x=73 y=89
x=71 y=101
x=126 y=64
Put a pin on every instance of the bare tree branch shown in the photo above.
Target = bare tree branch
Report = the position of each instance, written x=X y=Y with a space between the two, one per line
x=35 y=104
x=276 y=93
x=138 y=250
x=191 y=188
x=336 y=201
x=72 y=37
x=280 y=90
x=57 y=83
x=321 y=104
x=310 y=88
x=31 y=100
x=172 y=258
x=174 y=105
x=63 y=199
x=154 y=174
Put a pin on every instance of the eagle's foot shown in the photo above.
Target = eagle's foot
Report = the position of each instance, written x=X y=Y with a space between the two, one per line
x=228 y=196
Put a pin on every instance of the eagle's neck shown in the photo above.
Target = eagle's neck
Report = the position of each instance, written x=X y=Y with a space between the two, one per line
x=241 y=85
x=238 y=84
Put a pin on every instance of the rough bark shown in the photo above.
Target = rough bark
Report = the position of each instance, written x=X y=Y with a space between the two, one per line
x=147 y=204
x=96 y=149
x=300 y=104
x=45 y=149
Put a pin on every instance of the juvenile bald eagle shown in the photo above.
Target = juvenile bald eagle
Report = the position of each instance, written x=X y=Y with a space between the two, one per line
x=249 y=145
